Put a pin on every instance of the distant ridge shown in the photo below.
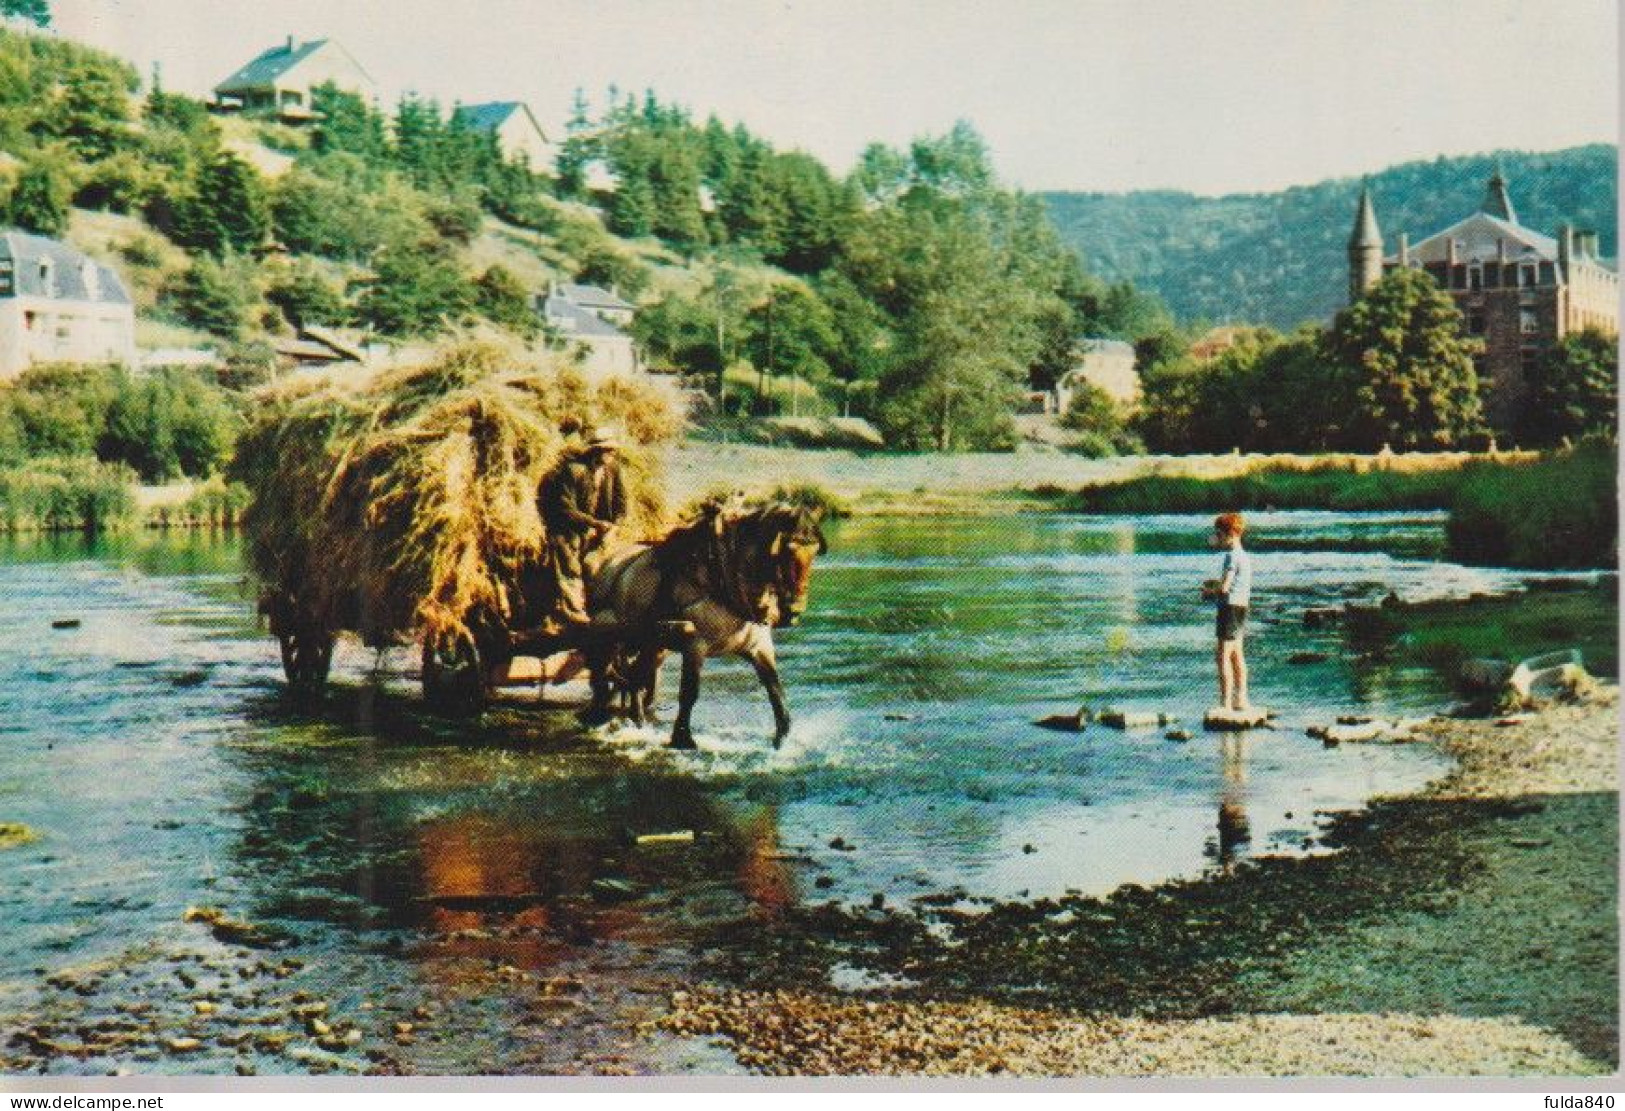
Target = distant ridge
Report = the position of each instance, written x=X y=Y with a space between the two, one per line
x=1279 y=258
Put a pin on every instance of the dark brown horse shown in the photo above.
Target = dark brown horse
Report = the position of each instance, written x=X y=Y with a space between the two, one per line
x=716 y=586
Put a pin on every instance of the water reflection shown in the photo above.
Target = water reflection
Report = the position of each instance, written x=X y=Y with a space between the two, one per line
x=1235 y=835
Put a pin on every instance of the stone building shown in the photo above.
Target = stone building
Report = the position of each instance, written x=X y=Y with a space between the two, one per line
x=59 y=305
x=1519 y=291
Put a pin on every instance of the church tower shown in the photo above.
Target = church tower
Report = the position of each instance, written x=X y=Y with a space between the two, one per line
x=1365 y=249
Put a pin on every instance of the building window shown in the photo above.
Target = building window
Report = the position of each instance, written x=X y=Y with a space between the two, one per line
x=1528 y=275
x=1475 y=323
x=1475 y=278
x=1492 y=275
x=1528 y=322
x=1548 y=275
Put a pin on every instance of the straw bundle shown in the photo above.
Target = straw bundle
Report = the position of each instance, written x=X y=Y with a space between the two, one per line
x=405 y=503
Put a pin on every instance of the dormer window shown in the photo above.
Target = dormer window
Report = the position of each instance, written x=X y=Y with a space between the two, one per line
x=45 y=276
x=8 y=278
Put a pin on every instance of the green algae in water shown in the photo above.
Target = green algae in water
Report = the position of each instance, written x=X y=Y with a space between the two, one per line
x=14 y=835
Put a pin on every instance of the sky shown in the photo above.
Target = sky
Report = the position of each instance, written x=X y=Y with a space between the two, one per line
x=1207 y=96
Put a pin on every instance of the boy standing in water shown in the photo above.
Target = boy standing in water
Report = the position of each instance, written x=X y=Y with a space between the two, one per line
x=1233 y=593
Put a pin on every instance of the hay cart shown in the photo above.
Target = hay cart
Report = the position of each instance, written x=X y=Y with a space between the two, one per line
x=401 y=508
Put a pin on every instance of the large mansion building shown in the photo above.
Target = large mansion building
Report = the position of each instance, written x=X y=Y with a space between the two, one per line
x=1518 y=290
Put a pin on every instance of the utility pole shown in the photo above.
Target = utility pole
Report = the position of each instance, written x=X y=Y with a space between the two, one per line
x=765 y=375
x=722 y=350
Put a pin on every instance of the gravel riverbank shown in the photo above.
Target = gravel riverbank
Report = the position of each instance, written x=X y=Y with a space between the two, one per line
x=1470 y=930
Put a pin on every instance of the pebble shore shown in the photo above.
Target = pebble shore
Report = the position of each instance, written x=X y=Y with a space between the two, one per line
x=1560 y=751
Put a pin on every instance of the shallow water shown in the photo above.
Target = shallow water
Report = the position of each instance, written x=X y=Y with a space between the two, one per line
x=152 y=751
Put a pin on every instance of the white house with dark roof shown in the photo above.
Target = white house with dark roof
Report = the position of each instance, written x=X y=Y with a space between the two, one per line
x=514 y=126
x=59 y=305
x=588 y=320
x=279 y=81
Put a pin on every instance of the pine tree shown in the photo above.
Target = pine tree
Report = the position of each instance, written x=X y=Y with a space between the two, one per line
x=228 y=209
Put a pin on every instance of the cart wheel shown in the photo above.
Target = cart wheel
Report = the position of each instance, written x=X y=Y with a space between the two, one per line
x=307 y=657
x=453 y=680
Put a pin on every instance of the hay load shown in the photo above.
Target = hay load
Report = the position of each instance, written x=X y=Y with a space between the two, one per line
x=403 y=505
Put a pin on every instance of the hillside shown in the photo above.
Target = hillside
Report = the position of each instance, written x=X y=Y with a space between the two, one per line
x=1278 y=258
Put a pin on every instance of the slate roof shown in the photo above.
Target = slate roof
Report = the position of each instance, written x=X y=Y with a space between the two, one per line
x=488 y=117
x=594 y=297
x=264 y=70
x=574 y=320
x=1477 y=239
x=1365 y=232
x=65 y=268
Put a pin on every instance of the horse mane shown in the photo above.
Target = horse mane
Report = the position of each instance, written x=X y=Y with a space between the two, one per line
x=710 y=541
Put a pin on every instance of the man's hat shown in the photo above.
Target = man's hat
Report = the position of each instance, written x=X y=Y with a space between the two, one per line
x=603 y=439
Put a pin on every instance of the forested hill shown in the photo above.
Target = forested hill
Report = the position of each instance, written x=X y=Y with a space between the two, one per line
x=1279 y=258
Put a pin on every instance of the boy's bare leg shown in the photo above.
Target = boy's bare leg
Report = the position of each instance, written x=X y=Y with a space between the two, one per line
x=1222 y=658
x=1238 y=676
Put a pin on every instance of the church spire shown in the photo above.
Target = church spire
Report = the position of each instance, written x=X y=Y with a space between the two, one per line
x=1365 y=248
x=1497 y=202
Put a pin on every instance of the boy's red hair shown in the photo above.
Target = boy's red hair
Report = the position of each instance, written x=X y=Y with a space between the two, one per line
x=1229 y=524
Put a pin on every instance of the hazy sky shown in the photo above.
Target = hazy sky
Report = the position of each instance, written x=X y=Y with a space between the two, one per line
x=1207 y=95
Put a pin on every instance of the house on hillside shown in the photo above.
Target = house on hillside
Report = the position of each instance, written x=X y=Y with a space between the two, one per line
x=590 y=321
x=59 y=305
x=1518 y=290
x=278 y=82
x=1106 y=364
x=517 y=133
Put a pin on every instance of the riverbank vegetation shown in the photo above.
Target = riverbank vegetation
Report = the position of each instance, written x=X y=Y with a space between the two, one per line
x=51 y=495
x=1554 y=510
x=1511 y=627
x=1562 y=511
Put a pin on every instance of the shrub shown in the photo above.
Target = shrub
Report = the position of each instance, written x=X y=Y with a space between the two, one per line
x=218 y=298
x=58 y=494
x=305 y=295
x=40 y=199
x=1559 y=512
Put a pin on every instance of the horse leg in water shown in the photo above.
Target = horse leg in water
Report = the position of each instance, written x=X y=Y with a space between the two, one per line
x=644 y=679
x=682 y=736
x=597 y=647
x=767 y=670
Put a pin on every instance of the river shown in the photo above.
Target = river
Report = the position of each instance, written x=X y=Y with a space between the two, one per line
x=486 y=886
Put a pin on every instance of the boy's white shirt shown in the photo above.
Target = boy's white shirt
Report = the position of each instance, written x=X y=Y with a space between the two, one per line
x=1228 y=570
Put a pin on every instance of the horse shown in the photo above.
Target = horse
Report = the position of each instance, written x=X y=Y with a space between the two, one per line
x=715 y=586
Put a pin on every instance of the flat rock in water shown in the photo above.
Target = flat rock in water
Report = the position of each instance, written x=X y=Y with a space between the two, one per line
x=1224 y=720
x=1064 y=723
x=1132 y=719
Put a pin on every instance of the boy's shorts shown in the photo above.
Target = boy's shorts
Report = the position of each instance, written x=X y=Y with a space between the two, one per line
x=1232 y=621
